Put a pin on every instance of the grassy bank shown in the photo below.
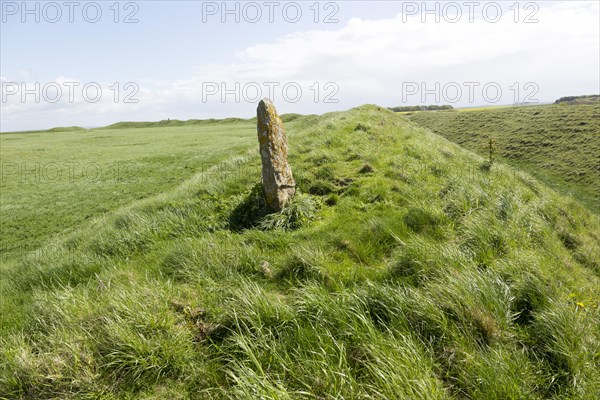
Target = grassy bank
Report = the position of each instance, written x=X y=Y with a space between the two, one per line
x=558 y=144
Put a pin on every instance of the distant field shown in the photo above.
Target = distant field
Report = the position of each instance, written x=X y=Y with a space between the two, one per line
x=559 y=144
x=55 y=180
x=469 y=109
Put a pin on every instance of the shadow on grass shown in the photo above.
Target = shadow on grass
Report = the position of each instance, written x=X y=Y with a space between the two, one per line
x=250 y=211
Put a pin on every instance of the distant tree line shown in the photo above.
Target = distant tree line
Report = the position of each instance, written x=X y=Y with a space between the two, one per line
x=578 y=99
x=421 y=108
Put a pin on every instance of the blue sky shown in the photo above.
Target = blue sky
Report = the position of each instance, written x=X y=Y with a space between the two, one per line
x=180 y=57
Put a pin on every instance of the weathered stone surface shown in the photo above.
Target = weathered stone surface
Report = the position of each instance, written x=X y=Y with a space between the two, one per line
x=277 y=179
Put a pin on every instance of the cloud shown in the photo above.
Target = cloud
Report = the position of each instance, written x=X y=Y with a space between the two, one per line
x=364 y=61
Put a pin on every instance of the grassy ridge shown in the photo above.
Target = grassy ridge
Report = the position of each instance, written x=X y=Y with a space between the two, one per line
x=402 y=270
x=52 y=130
x=558 y=144
x=587 y=99
x=171 y=123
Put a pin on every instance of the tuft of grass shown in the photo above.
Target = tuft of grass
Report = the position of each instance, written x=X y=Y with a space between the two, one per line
x=300 y=210
x=365 y=169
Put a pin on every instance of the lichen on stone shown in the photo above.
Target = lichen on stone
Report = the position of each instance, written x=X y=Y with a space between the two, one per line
x=277 y=178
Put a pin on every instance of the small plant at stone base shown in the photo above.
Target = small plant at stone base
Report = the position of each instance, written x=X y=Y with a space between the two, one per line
x=301 y=209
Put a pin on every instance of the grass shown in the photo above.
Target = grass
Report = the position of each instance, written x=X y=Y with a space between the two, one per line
x=57 y=180
x=421 y=276
x=558 y=144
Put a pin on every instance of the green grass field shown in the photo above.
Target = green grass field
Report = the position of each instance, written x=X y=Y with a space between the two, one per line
x=405 y=268
x=54 y=181
x=558 y=144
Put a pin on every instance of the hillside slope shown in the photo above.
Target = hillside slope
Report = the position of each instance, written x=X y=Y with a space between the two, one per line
x=559 y=144
x=403 y=269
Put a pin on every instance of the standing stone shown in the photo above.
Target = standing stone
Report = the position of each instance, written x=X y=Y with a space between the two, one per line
x=277 y=179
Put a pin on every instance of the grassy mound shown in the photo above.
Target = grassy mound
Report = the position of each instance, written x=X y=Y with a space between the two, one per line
x=587 y=99
x=53 y=130
x=558 y=144
x=67 y=129
x=170 y=123
x=403 y=269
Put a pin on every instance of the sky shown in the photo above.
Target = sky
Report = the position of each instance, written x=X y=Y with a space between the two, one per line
x=91 y=64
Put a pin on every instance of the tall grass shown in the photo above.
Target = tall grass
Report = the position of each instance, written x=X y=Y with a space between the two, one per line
x=428 y=277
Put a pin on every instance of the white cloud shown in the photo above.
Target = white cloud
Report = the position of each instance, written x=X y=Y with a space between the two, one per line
x=369 y=60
